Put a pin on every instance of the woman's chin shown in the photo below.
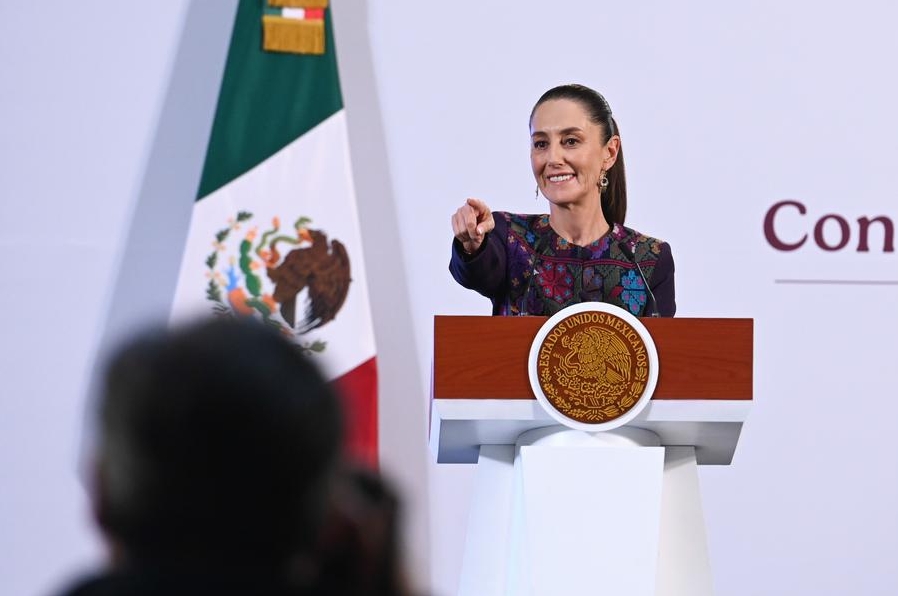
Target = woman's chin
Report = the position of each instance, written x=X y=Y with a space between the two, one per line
x=562 y=199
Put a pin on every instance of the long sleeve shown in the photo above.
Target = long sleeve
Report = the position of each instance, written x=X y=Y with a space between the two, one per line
x=662 y=283
x=485 y=271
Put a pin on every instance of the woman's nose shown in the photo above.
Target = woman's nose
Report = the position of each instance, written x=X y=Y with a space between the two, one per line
x=555 y=154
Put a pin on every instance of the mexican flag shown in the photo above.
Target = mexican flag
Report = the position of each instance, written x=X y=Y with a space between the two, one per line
x=274 y=233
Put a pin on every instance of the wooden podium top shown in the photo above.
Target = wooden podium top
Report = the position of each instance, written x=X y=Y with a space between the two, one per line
x=482 y=357
x=482 y=395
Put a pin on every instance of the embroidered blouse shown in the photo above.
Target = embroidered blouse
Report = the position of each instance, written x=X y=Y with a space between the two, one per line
x=525 y=268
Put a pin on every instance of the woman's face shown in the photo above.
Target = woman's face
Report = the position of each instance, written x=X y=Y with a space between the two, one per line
x=567 y=153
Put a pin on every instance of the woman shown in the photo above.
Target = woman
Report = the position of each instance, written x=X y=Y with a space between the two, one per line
x=580 y=251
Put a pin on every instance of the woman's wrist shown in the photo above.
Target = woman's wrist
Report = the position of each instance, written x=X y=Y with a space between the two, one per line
x=470 y=254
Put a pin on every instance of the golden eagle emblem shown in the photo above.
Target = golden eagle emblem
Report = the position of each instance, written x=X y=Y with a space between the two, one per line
x=596 y=354
x=296 y=280
x=592 y=366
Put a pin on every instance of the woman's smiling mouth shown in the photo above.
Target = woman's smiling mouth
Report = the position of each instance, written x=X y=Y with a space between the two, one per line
x=560 y=177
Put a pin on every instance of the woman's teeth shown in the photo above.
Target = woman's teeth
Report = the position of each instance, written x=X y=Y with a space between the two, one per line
x=561 y=178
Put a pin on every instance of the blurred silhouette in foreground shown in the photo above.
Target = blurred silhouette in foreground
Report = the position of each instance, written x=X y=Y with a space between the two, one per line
x=219 y=472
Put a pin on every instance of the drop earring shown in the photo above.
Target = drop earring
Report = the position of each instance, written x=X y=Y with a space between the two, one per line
x=603 y=183
x=536 y=193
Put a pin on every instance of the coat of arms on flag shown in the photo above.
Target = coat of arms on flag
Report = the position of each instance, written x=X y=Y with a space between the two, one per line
x=294 y=279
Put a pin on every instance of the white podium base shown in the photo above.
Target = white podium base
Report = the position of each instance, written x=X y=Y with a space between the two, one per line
x=568 y=512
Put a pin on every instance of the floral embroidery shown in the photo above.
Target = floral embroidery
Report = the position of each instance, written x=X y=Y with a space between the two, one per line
x=545 y=273
x=600 y=246
x=633 y=294
x=556 y=282
x=520 y=264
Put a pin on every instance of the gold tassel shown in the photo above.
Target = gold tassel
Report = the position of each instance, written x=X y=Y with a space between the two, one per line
x=292 y=36
x=298 y=3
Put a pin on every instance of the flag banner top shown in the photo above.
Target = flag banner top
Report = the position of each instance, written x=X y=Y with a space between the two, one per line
x=267 y=99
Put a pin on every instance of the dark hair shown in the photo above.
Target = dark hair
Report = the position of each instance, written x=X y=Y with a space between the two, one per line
x=217 y=440
x=614 y=198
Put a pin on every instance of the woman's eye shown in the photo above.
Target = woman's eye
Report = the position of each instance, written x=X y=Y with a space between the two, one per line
x=570 y=142
x=539 y=144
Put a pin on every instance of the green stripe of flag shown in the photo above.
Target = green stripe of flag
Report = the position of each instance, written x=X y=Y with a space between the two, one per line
x=267 y=99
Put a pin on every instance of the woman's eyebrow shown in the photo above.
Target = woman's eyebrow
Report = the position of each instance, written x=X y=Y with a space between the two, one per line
x=564 y=131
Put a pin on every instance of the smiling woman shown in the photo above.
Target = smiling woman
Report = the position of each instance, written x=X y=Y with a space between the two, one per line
x=580 y=251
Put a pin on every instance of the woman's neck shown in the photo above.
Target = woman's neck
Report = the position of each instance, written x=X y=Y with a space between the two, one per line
x=577 y=224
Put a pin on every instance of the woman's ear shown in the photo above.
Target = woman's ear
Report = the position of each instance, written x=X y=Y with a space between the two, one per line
x=612 y=148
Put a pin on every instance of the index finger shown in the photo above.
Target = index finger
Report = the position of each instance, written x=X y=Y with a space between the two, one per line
x=479 y=206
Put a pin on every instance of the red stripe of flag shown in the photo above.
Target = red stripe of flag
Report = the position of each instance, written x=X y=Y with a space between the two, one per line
x=358 y=395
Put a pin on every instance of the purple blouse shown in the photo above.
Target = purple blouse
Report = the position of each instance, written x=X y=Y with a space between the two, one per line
x=525 y=268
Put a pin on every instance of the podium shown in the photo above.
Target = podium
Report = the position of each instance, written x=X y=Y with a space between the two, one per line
x=557 y=511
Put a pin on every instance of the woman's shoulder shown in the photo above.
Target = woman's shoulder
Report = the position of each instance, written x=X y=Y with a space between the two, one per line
x=524 y=225
x=643 y=246
x=522 y=219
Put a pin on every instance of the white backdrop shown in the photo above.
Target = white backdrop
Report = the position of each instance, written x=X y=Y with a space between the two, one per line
x=725 y=110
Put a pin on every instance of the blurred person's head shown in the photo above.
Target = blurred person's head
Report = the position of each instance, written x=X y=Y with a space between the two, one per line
x=217 y=445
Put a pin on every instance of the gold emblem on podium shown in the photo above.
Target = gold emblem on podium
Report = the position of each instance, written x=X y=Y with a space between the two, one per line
x=593 y=365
